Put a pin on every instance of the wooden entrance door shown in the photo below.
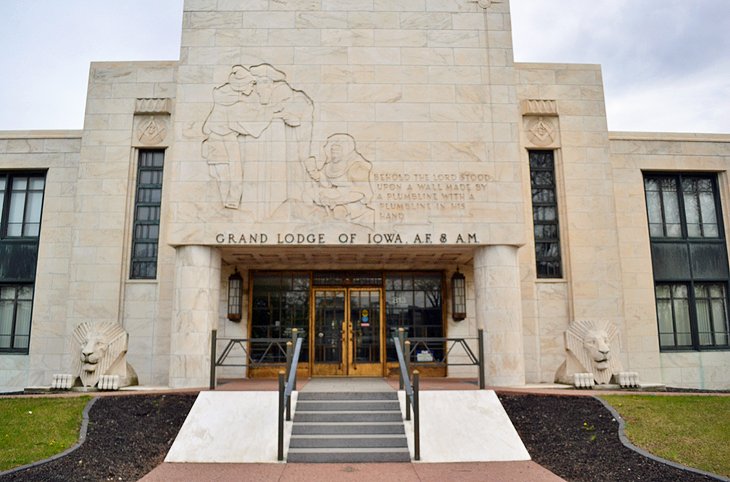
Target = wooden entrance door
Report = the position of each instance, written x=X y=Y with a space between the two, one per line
x=347 y=334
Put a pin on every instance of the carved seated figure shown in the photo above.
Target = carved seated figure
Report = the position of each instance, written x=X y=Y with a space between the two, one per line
x=589 y=358
x=102 y=353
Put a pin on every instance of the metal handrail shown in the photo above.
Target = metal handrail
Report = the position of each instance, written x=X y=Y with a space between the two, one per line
x=285 y=391
x=273 y=346
x=475 y=359
x=412 y=398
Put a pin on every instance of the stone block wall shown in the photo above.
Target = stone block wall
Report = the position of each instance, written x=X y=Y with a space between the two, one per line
x=56 y=152
x=124 y=100
x=631 y=155
x=568 y=100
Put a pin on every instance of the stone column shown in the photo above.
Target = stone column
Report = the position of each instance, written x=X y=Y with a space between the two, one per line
x=195 y=314
x=499 y=313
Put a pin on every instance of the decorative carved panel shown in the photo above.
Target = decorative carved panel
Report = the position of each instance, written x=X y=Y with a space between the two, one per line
x=153 y=106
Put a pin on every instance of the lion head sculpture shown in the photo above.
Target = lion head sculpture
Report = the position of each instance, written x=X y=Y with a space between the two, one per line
x=102 y=350
x=588 y=345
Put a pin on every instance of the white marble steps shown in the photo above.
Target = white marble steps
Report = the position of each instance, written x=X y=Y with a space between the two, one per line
x=344 y=427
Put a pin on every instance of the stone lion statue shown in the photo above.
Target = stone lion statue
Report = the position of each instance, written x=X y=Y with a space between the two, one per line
x=102 y=352
x=589 y=357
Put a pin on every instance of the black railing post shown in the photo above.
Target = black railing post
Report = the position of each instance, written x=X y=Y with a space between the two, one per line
x=401 y=340
x=280 y=452
x=294 y=336
x=480 y=335
x=416 y=418
x=406 y=358
x=213 y=341
x=289 y=356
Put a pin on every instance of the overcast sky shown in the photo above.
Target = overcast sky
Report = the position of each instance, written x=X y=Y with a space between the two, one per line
x=666 y=63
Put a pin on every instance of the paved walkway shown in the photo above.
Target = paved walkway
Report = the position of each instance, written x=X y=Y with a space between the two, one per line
x=462 y=472
x=466 y=471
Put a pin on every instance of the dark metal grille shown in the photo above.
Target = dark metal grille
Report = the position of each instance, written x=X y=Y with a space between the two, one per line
x=146 y=234
x=545 y=214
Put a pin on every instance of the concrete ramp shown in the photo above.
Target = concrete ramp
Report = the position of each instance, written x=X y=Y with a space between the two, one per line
x=230 y=427
x=465 y=426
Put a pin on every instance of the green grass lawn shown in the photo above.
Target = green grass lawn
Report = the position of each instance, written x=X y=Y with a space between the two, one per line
x=33 y=429
x=692 y=430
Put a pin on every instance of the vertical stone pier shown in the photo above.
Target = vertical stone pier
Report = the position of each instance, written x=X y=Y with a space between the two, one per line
x=499 y=313
x=196 y=298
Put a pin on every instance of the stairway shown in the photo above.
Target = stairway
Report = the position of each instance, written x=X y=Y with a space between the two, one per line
x=348 y=427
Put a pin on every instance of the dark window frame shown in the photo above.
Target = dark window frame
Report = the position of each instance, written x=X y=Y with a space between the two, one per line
x=546 y=232
x=693 y=282
x=146 y=229
x=19 y=270
x=5 y=202
x=13 y=334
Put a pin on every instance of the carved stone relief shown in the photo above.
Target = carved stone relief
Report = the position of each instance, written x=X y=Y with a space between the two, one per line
x=151 y=130
x=541 y=131
x=590 y=356
x=540 y=122
x=258 y=140
x=101 y=350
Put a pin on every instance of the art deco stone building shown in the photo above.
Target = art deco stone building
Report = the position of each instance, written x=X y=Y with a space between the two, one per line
x=346 y=159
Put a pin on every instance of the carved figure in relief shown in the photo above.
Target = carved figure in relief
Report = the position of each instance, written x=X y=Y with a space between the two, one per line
x=344 y=188
x=244 y=108
x=102 y=350
x=588 y=350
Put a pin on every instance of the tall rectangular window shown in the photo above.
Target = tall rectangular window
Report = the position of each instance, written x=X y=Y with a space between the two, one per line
x=146 y=231
x=21 y=203
x=545 y=214
x=16 y=302
x=21 y=200
x=689 y=258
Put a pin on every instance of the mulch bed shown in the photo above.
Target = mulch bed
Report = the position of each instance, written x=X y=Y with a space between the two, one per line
x=575 y=437
x=127 y=437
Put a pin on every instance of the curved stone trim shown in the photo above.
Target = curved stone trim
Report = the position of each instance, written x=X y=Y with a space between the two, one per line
x=82 y=439
x=627 y=443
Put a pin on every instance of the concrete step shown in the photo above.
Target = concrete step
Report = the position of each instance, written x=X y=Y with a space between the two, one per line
x=348 y=441
x=324 y=428
x=305 y=396
x=346 y=416
x=361 y=455
x=348 y=427
x=346 y=405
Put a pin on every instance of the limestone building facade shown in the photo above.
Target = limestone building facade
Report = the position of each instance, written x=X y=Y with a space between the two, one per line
x=345 y=159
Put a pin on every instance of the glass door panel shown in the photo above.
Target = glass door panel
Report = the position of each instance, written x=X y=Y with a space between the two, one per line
x=365 y=338
x=329 y=332
x=347 y=331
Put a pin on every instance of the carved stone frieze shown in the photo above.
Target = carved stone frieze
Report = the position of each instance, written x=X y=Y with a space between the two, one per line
x=539 y=107
x=159 y=105
x=259 y=122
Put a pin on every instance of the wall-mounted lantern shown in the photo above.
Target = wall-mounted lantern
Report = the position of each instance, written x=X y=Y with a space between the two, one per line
x=458 y=296
x=235 y=296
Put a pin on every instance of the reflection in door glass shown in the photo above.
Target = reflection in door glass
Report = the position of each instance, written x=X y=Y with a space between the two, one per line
x=329 y=315
x=365 y=319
